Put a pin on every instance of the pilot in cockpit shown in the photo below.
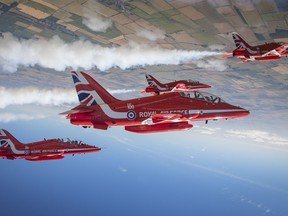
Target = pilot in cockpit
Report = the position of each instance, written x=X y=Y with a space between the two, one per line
x=196 y=94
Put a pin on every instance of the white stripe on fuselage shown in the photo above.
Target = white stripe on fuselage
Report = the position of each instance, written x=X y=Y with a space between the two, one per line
x=215 y=111
x=13 y=148
x=111 y=113
x=80 y=149
x=58 y=151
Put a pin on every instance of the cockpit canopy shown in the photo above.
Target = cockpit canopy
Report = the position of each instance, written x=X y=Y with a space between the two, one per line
x=192 y=81
x=69 y=141
x=281 y=43
x=202 y=96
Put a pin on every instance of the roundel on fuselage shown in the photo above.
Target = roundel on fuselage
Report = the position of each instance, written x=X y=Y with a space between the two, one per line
x=131 y=115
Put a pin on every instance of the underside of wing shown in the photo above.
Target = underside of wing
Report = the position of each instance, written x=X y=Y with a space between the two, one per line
x=73 y=111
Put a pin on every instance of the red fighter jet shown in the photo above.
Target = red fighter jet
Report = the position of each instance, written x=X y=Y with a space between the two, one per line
x=52 y=149
x=160 y=113
x=155 y=87
x=265 y=52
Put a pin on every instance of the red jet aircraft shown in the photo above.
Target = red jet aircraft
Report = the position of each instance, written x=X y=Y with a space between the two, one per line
x=265 y=52
x=52 y=149
x=160 y=113
x=155 y=87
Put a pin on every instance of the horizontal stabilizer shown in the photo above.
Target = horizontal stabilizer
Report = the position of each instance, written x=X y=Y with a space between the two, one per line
x=73 y=111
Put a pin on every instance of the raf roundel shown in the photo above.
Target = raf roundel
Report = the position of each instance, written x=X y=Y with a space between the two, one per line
x=131 y=115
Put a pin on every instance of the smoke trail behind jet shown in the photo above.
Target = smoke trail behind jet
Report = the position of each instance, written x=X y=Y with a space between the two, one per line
x=43 y=97
x=59 y=55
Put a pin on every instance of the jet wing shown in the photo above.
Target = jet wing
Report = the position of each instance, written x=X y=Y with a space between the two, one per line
x=179 y=87
x=73 y=111
x=272 y=52
x=281 y=50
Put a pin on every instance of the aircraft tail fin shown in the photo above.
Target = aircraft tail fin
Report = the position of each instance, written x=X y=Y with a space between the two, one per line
x=152 y=81
x=89 y=91
x=239 y=41
x=6 y=139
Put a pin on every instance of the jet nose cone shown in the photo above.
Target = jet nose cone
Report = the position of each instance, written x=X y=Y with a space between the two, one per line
x=208 y=86
x=97 y=149
x=204 y=86
x=244 y=112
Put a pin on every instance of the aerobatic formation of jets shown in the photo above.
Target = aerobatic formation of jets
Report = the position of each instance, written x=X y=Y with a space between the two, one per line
x=50 y=149
x=265 y=52
x=160 y=113
x=171 y=108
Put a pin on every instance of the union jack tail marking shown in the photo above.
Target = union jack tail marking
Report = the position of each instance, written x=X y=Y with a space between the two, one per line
x=152 y=81
x=239 y=42
x=89 y=91
x=6 y=139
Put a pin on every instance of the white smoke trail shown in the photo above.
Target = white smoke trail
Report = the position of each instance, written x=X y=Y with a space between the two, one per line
x=43 y=97
x=32 y=95
x=56 y=54
x=10 y=117
x=212 y=64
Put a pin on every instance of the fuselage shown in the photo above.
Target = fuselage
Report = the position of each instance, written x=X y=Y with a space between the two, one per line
x=259 y=52
x=51 y=149
x=138 y=111
x=181 y=85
